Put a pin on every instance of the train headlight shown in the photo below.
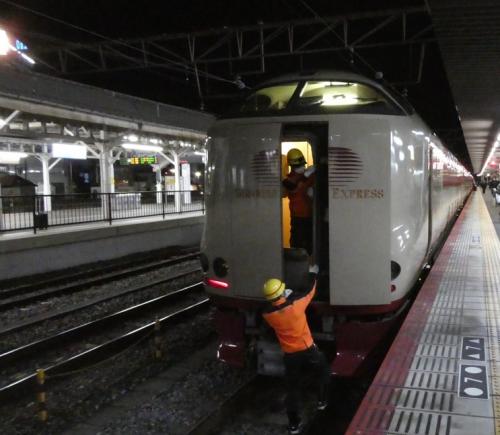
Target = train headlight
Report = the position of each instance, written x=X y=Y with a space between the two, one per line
x=204 y=262
x=395 y=270
x=220 y=267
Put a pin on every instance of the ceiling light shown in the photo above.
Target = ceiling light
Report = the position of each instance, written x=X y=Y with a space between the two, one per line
x=27 y=58
x=69 y=151
x=11 y=157
x=140 y=147
x=476 y=124
x=492 y=152
x=4 y=43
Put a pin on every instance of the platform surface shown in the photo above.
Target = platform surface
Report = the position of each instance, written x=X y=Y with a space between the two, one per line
x=442 y=372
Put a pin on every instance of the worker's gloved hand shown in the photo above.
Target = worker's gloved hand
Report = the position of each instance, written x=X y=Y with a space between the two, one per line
x=314 y=269
x=287 y=184
x=309 y=171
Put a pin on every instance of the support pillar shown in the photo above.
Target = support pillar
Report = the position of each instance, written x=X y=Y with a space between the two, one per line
x=177 y=182
x=159 y=188
x=107 y=170
x=1 y=209
x=47 y=200
x=166 y=161
x=107 y=173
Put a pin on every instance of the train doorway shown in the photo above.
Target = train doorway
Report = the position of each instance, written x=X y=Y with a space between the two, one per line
x=312 y=141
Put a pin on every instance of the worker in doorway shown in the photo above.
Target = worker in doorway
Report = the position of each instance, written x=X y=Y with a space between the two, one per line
x=285 y=313
x=298 y=186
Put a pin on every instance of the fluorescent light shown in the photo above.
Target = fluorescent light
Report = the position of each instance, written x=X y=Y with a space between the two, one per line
x=27 y=58
x=11 y=157
x=4 y=43
x=493 y=148
x=140 y=147
x=69 y=151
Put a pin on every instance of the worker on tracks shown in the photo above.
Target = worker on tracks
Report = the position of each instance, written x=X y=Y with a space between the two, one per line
x=285 y=313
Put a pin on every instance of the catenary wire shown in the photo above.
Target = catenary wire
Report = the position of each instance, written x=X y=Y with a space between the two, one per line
x=91 y=32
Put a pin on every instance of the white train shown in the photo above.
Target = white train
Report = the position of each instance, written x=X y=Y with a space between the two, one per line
x=385 y=190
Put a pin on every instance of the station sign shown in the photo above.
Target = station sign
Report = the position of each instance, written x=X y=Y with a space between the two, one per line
x=473 y=381
x=69 y=151
x=21 y=46
x=473 y=349
x=142 y=160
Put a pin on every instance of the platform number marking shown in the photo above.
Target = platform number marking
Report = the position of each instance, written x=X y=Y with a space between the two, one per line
x=473 y=383
x=473 y=349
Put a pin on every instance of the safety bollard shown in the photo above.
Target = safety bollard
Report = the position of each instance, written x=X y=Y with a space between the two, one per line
x=158 y=340
x=41 y=397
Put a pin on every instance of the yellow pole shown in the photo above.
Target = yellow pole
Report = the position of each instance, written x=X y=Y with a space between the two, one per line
x=41 y=396
x=157 y=340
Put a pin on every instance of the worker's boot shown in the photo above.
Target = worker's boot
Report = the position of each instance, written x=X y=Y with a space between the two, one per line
x=294 y=423
x=322 y=399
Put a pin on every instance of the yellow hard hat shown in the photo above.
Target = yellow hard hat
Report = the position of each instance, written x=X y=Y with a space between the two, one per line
x=273 y=289
x=295 y=157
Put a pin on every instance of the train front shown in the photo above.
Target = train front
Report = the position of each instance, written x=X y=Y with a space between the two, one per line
x=343 y=129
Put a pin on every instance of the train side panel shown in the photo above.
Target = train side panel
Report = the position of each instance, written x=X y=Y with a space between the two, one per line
x=359 y=211
x=409 y=202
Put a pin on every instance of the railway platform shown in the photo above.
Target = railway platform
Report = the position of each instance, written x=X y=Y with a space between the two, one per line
x=442 y=372
x=57 y=248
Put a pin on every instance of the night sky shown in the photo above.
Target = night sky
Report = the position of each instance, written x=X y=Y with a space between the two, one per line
x=103 y=20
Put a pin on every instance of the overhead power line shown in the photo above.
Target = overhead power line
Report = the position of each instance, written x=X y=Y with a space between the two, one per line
x=178 y=66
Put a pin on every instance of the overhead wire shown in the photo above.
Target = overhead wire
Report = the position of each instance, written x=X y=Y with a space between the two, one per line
x=173 y=64
x=332 y=30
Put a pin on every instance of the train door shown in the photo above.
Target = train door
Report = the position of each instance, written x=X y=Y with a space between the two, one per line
x=312 y=141
x=252 y=198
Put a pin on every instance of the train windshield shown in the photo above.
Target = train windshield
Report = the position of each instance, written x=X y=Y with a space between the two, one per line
x=338 y=94
x=273 y=98
x=316 y=97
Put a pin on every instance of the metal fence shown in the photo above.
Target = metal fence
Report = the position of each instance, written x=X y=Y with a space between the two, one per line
x=42 y=211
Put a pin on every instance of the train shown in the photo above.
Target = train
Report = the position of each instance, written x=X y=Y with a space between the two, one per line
x=385 y=191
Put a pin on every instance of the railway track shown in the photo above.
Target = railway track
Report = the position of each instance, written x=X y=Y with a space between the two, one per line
x=37 y=320
x=24 y=295
x=102 y=351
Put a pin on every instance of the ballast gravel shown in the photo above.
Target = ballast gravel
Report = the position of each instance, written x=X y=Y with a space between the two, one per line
x=81 y=394
x=53 y=326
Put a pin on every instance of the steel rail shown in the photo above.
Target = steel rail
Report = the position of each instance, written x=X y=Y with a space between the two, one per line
x=11 y=356
x=82 y=285
x=99 y=353
x=51 y=316
x=230 y=407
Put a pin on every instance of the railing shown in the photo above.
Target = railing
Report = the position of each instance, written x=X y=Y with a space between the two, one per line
x=43 y=211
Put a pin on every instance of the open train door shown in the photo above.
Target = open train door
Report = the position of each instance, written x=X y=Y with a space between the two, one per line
x=254 y=180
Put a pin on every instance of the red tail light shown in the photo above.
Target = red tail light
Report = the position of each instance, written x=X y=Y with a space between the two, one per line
x=216 y=283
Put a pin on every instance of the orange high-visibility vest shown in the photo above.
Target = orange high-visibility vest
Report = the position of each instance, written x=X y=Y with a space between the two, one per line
x=288 y=319
x=300 y=202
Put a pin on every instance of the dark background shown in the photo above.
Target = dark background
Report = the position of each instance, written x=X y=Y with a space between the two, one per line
x=53 y=23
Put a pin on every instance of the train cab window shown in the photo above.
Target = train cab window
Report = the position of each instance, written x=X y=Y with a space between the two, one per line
x=273 y=98
x=343 y=97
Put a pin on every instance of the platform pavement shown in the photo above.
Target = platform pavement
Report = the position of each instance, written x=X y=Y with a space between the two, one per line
x=58 y=248
x=442 y=372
